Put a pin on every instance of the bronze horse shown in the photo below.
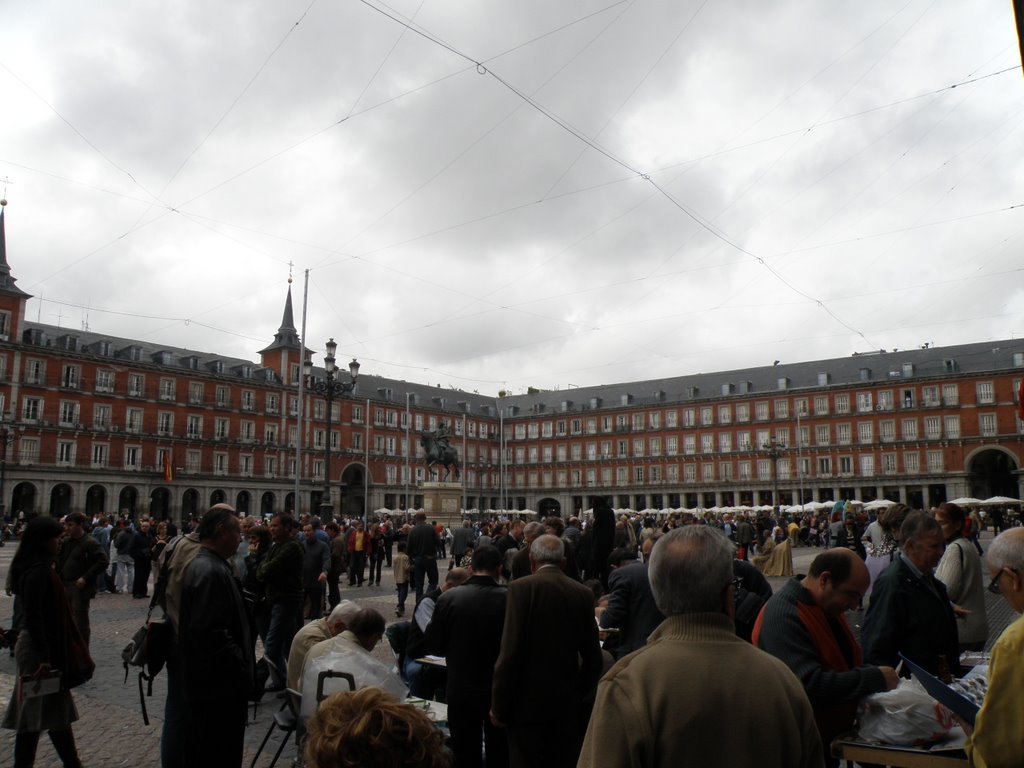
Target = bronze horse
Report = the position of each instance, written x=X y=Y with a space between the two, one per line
x=439 y=453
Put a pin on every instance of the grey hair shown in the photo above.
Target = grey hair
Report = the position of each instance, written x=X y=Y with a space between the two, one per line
x=547 y=550
x=916 y=525
x=533 y=530
x=1007 y=551
x=690 y=567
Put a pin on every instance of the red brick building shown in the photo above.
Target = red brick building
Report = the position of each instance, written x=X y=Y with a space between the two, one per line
x=98 y=423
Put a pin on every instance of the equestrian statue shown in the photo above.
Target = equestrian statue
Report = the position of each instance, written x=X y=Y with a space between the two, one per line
x=438 y=450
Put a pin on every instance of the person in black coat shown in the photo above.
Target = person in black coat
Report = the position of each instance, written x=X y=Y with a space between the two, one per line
x=216 y=647
x=140 y=550
x=603 y=525
x=910 y=611
x=466 y=628
x=631 y=608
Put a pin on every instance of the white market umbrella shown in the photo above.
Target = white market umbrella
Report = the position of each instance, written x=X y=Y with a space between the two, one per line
x=879 y=504
x=967 y=501
x=999 y=500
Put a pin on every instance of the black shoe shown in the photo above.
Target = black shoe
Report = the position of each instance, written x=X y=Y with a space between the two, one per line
x=276 y=688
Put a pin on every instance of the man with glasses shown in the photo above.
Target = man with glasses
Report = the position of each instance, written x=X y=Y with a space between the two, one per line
x=667 y=703
x=998 y=739
x=804 y=626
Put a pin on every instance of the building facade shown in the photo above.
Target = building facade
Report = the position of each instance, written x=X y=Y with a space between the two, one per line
x=97 y=423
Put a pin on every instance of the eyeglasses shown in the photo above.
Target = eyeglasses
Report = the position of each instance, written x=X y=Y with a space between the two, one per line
x=993 y=586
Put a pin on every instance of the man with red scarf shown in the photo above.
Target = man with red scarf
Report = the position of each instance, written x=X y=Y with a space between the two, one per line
x=803 y=625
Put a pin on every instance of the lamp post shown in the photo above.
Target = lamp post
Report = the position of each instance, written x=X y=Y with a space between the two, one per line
x=329 y=388
x=6 y=438
x=774 y=451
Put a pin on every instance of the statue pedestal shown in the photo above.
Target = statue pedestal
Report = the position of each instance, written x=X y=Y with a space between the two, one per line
x=443 y=502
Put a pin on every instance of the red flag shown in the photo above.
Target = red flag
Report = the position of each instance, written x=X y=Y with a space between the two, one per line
x=168 y=469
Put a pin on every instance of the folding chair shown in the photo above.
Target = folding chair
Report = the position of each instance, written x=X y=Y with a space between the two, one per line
x=328 y=674
x=287 y=719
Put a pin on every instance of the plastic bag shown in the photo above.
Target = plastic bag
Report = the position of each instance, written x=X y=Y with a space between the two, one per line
x=906 y=715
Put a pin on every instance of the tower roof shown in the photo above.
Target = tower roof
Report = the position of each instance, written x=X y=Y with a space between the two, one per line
x=7 y=283
x=287 y=336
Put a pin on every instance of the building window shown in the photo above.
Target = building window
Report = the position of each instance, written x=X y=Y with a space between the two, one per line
x=824 y=466
x=934 y=459
x=867 y=466
x=865 y=432
x=822 y=434
x=846 y=465
x=909 y=427
x=707 y=443
x=985 y=392
x=167 y=388
x=842 y=404
x=194 y=428
x=248 y=431
x=100 y=454
x=101 y=415
x=951 y=424
x=28 y=450
x=724 y=442
x=35 y=372
x=743 y=412
x=932 y=428
x=887 y=431
x=104 y=381
x=70 y=376
x=195 y=393
x=951 y=394
x=864 y=402
x=220 y=429
x=655 y=446
x=821 y=405
x=689 y=444
x=193 y=461
x=270 y=466
x=136 y=385
x=65 y=453
x=220 y=463
x=987 y=425
x=761 y=410
x=273 y=403
x=764 y=469
x=782 y=409
x=68 y=416
x=911 y=462
x=165 y=423
x=245 y=465
x=638 y=447
x=744 y=471
x=133 y=421
x=132 y=457
x=885 y=400
x=888 y=463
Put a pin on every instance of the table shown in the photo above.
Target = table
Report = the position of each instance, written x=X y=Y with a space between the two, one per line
x=899 y=757
x=433 y=661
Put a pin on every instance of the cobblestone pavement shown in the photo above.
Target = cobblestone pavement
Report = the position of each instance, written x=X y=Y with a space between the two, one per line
x=110 y=731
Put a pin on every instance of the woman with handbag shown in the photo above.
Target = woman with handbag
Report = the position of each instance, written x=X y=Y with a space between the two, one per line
x=46 y=643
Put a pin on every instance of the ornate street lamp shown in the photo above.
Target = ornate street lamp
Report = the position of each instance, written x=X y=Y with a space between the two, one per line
x=774 y=451
x=329 y=388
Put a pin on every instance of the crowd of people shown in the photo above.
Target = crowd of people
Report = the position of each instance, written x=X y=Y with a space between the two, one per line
x=622 y=641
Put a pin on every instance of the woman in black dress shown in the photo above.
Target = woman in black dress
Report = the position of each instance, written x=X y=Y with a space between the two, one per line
x=42 y=646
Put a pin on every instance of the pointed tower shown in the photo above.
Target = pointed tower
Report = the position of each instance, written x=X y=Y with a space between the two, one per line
x=13 y=300
x=284 y=355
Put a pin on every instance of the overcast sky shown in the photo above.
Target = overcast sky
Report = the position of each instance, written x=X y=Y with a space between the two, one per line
x=500 y=194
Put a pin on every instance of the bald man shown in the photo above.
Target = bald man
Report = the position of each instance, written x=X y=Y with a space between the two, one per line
x=803 y=625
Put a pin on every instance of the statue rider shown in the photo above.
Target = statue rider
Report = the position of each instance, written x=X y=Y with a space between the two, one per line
x=442 y=436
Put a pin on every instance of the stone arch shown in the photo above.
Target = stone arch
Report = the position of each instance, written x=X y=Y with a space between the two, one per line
x=190 y=504
x=352 y=490
x=267 y=504
x=95 y=501
x=128 y=499
x=243 y=502
x=549 y=508
x=61 y=496
x=991 y=471
x=160 y=503
x=218 y=497
x=23 y=499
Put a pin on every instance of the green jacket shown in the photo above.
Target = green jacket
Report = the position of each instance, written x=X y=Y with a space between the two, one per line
x=281 y=571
